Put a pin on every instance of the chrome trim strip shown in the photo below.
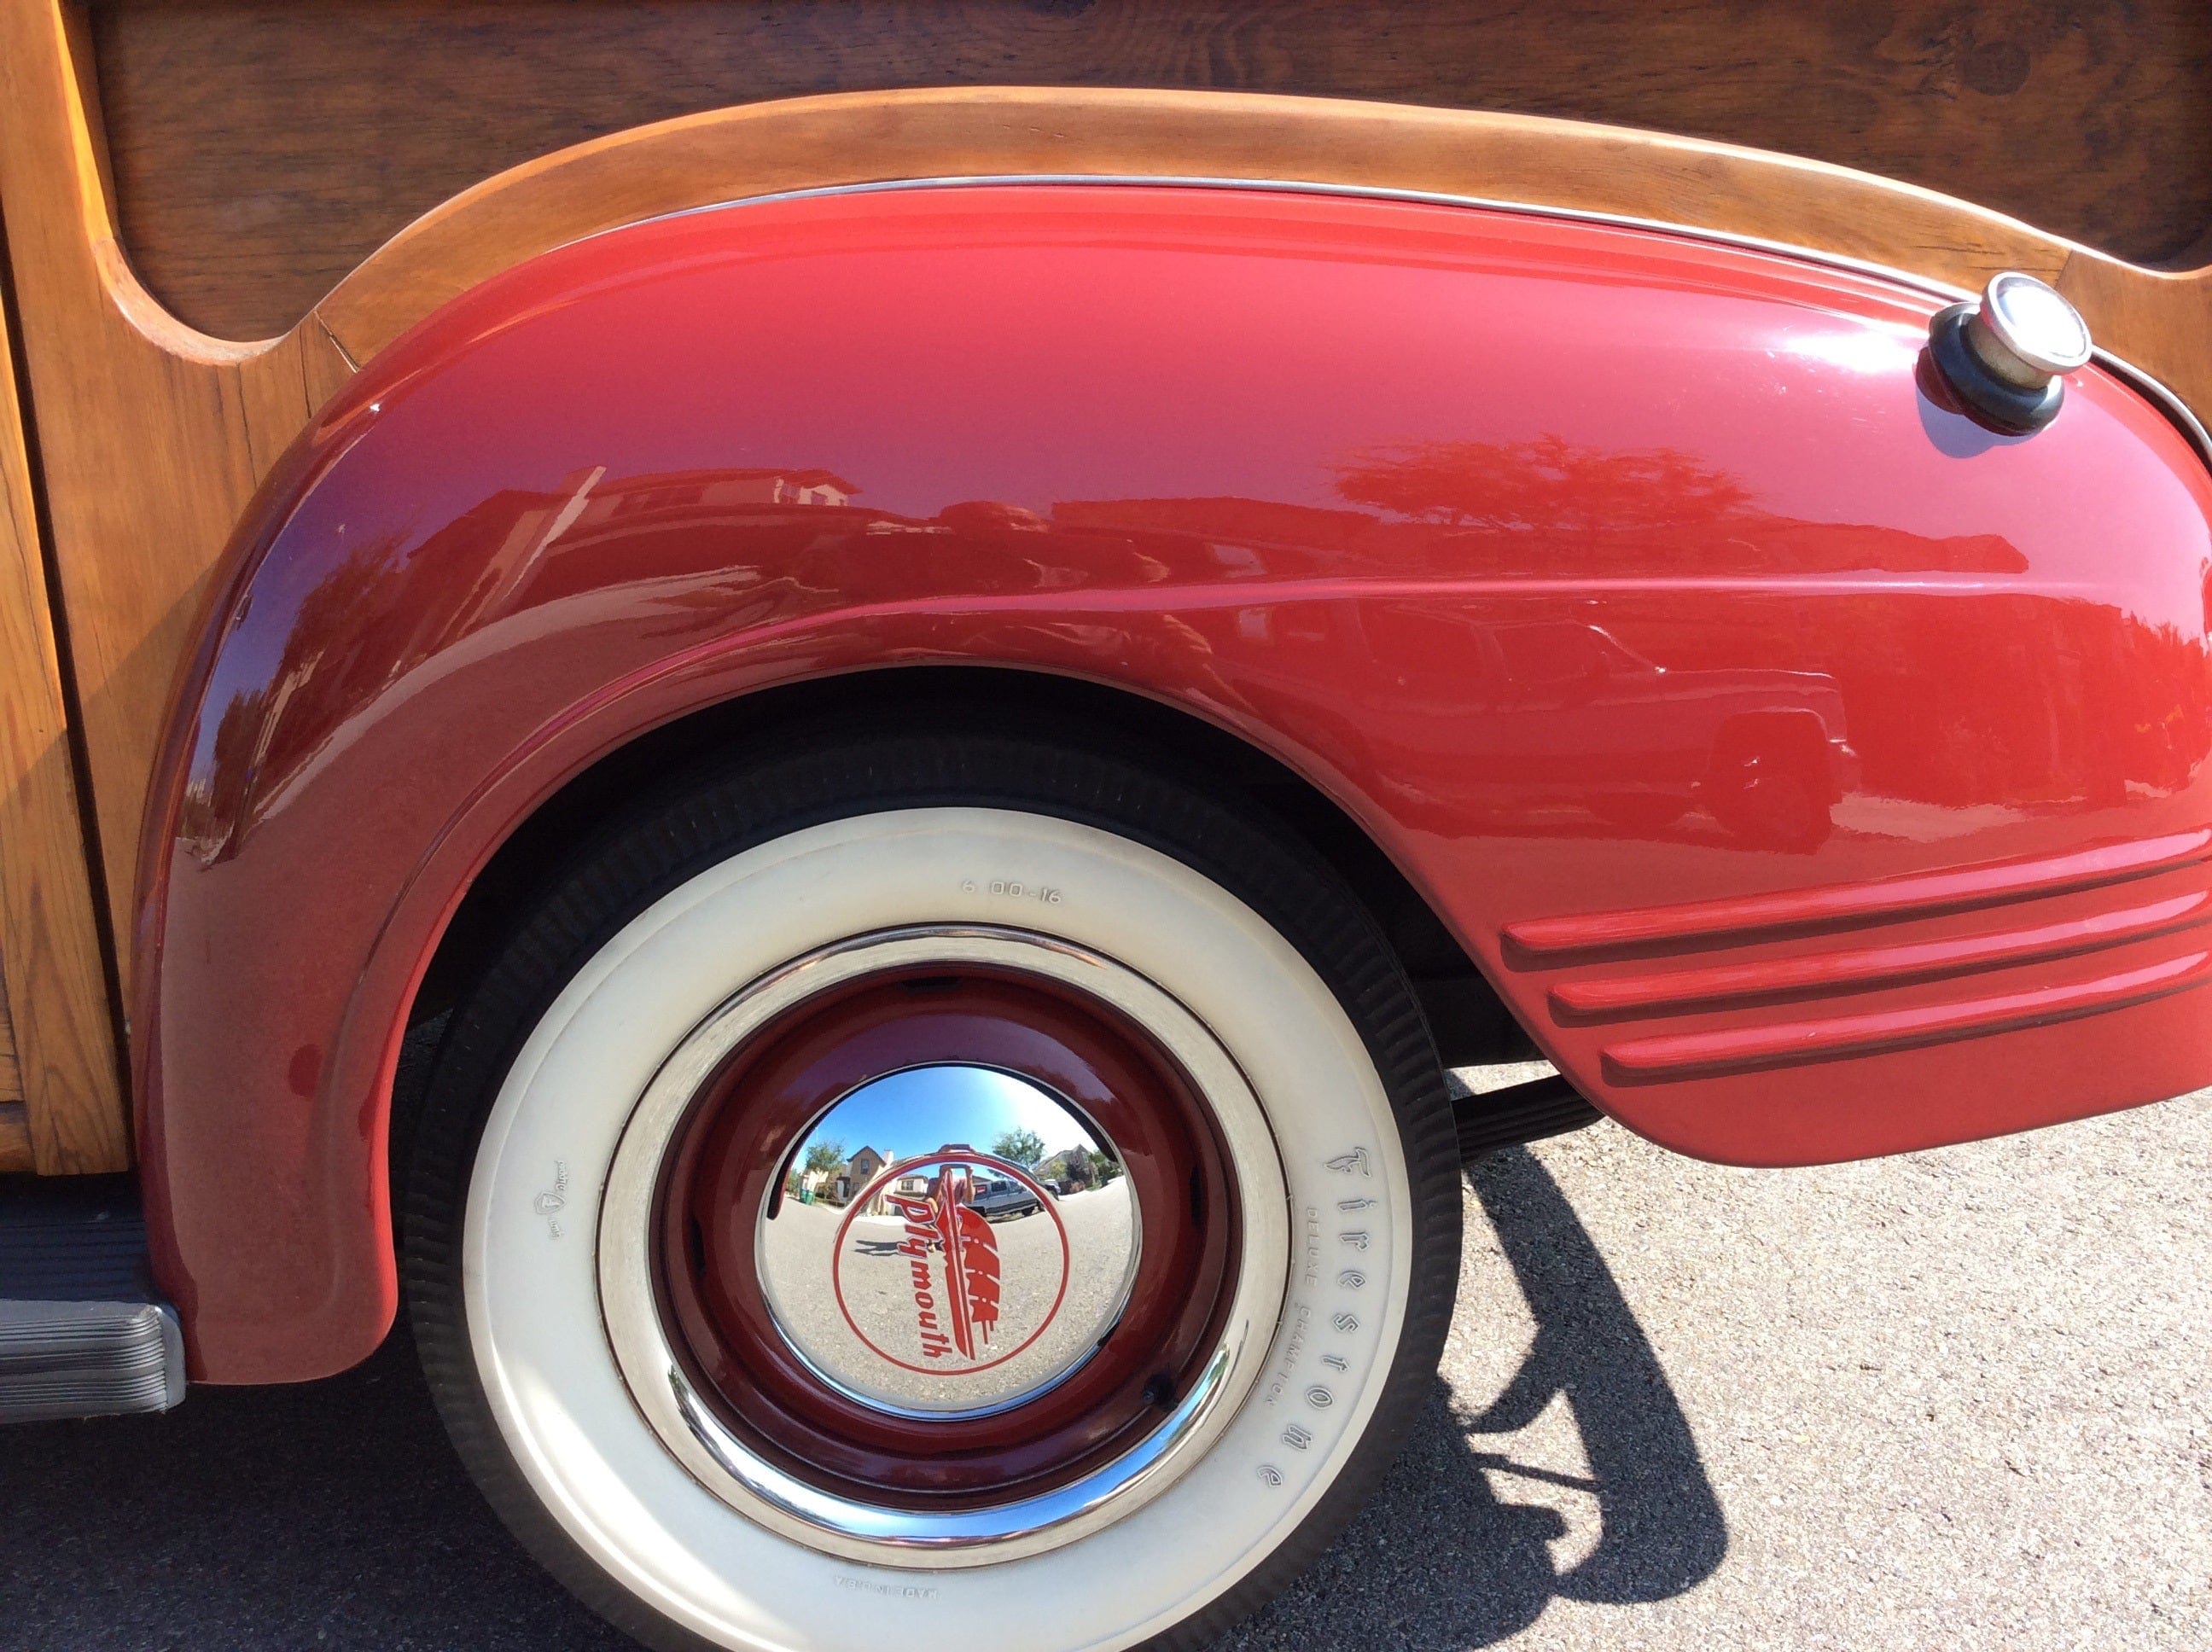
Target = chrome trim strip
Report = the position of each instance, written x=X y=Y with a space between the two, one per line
x=1360 y=191
x=2176 y=410
x=896 y=1537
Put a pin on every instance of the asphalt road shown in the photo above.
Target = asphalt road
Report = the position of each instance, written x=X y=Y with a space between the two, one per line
x=1957 y=1401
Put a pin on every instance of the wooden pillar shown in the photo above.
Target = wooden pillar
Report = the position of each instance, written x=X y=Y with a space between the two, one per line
x=61 y=1096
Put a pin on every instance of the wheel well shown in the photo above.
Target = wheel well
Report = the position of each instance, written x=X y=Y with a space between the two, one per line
x=1470 y=1022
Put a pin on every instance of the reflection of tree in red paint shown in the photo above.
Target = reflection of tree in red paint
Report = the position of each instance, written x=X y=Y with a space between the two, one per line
x=972 y=1264
x=1549 y=484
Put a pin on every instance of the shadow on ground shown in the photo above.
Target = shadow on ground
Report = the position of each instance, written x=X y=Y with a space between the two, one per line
x=334 y=1516
x=1440 y=1562
x=330 y=1515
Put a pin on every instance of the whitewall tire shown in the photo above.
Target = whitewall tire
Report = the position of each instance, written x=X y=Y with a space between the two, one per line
x=1003 y=887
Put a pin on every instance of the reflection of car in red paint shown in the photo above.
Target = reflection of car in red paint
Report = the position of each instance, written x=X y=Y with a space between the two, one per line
x=1764 y=750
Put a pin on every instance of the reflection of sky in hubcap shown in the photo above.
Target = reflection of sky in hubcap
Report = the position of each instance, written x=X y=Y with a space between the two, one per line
x=924 y=1109
x=949 y=1240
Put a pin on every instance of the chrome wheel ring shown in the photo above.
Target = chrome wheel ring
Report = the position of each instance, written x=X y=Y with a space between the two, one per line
x=881 y=1531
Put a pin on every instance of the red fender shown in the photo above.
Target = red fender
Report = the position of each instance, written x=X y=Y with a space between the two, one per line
x=1816 y=775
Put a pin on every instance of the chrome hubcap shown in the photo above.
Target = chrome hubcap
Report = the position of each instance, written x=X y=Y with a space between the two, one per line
x=955 y=1280
x=961 y=1285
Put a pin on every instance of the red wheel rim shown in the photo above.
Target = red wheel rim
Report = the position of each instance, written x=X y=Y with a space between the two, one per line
x=730 y=1157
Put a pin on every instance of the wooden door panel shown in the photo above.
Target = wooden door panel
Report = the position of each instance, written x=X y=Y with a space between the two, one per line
x=61 y=1096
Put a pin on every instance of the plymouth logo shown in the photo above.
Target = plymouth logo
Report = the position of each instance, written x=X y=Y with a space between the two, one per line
x=950 y=1222
x=951 y=1263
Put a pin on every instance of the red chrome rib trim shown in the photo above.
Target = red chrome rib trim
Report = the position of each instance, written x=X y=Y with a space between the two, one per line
x=1837 y=905
x=1867 y=967
x=1695 y=1055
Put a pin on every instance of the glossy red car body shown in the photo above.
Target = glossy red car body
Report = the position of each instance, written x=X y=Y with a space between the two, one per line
x=1345 y=477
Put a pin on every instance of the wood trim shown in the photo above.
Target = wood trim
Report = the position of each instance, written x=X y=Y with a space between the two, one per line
x=2161 y=320
x=153 y=434
x=64 y=1048
x=15 y=1122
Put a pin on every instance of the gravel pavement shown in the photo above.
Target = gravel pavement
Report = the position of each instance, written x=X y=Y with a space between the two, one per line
x=1958 y=1400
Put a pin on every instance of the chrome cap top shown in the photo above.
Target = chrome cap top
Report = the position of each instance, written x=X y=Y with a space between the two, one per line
x=2038 y=334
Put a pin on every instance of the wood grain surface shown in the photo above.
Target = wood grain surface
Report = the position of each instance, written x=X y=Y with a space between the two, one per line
x=151 y=435
x=61 y=1061
x=11 y=1077
x=2161 y=320
x=15 y=1122
x=262 y=148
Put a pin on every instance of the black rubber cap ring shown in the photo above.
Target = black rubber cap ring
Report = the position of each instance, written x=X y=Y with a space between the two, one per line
x=1994 y=402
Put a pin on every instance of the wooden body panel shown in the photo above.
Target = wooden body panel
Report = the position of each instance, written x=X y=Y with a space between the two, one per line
x=15 y=1154
x=153 y=436
x=11 y=1080
x=57 y=1048
x=263 y=148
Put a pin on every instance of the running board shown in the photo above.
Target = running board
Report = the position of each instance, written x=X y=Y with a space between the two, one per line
x=1519 y=1114
x=82 y=1332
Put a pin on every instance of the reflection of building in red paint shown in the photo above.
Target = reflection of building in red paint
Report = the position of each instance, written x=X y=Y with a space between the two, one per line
x=2066 y=703
x=694 y=489
x=587 y=508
